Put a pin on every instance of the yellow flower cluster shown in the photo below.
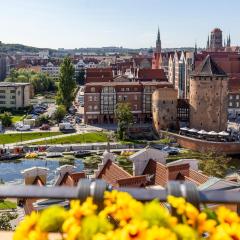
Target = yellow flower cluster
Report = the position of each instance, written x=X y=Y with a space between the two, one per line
x=124 y=218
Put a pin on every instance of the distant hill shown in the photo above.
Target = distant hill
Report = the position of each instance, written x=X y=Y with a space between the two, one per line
x=8 y=48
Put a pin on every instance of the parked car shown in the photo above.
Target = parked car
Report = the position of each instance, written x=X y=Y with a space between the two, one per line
x=171 y=150
x=23 y=128
x=66 y=127
x=45 y=127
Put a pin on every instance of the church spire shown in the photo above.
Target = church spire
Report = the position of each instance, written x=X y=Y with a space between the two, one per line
x=208 y=44
x=195 y=48
x=158 y=42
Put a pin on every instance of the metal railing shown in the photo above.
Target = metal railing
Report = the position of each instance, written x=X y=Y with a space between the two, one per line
x=97 y=188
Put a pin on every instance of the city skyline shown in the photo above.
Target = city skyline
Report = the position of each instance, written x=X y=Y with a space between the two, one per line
x=58 y=24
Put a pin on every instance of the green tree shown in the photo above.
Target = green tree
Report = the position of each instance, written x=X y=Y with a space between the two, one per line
x=213 y=164
x=6 y=119
x=42 y=119
x=5 y=219
x=67 y=83
x=80 y=78
x=60 y=113
x=124 y=118
x=41 y=82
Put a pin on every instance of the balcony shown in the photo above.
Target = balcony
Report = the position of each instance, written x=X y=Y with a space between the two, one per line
x=97 y=188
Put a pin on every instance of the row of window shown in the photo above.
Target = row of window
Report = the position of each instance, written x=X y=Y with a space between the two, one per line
x=231 y=97
x=3 y=102
x=108 y=107
x=111 y=98
x=4 y=91
x=231 y=104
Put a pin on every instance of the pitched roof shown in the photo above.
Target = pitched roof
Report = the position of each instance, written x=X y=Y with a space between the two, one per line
x=217 y=184
x=152 y=74
x=111 y=173
x=208 y=67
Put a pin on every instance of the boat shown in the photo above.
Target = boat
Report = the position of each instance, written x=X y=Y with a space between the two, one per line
x=31 y=155
x=81 y=153
x=11 y=156
x=54 y=154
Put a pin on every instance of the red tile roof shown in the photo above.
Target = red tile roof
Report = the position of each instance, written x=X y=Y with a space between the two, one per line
x=151 y=74
x=197 y=176
x=111 y=173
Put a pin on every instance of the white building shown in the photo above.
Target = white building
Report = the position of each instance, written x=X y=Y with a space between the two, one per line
x=14 y=95
x=52 y=70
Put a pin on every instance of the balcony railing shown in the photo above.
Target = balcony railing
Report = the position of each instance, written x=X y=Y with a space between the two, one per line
x=96 y=189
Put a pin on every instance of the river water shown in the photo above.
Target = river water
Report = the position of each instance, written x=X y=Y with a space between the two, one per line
x=10 y=171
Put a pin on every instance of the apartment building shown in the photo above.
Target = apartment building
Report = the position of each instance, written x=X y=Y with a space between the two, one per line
x=51 y=69
x=100 y=100
x=14 y=95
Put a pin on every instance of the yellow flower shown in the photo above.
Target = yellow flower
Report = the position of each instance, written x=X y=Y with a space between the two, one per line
x=177 y=202
x=160 y=233
x=134 y=231
x=29 y=230
x=227 y=216
x=226 y=232
x=205 y=225
x=121 y=207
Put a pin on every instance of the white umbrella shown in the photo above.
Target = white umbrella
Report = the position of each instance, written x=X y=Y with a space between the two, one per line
x=213 y=133
x=184 y=129
x=223 y=133
x=202 y=132
x=193 y=130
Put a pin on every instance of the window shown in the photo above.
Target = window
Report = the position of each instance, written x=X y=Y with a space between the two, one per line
x=12 y=91
x=12 y=102
x=1 y=96
x=13 y=97
x=127 y=89
x=163 y=102
x=237 y=96
x=237 y=104
x=135 y=97
x=125 y=98
x=95 y=98
x=135 y=107
x=92 y=89
x=122 y=89
x=19 y=92
x=2 y=91
x=230 y=104
x=230 y=97
x=120 y=97
x=90 y=98
x=95 y=107
x=90 y=107
x=2 y=102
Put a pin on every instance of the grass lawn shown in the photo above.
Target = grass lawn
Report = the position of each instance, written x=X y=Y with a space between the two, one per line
x=186 y=154
x=17 y=118
x=78 y=138
x=16 y=137
x=7 y=204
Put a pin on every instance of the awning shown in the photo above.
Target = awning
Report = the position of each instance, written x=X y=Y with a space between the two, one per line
x=223 y=133
x=213 y=133
x=202 y=132
x=193 y=130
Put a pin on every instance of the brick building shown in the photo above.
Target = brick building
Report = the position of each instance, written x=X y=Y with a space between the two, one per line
x=164 y=108
x=208 y=97
x=101 y=100
x=99 y=75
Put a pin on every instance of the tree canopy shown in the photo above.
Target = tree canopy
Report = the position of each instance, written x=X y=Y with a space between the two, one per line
x=67 y=84
x=41 y=82
x=124 y=118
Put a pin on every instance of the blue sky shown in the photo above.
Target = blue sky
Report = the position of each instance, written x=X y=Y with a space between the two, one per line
x=127 y=23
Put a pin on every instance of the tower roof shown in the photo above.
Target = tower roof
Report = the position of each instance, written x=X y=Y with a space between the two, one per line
x=208 y=67
x=216 y=30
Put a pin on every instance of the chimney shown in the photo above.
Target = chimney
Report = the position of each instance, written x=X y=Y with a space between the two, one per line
x=178 y=172
x=31 y=174
x=62 y=171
